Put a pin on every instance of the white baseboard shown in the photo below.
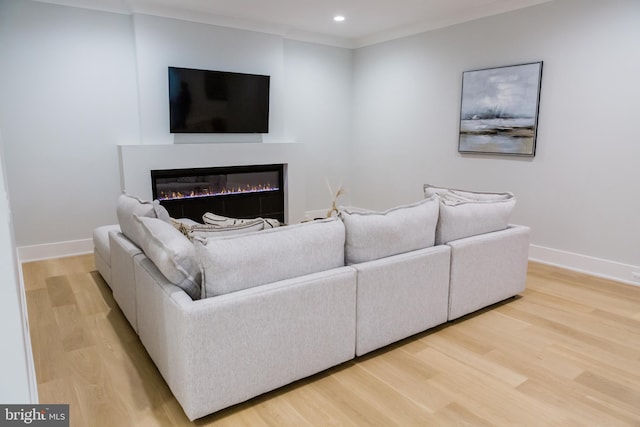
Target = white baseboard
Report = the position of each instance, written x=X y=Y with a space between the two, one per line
x=54 y=250
x=31 y=367
x=585 y=264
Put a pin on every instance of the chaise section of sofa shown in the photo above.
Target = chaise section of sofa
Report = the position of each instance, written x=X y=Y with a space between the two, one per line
x=220 y=351
x=296 y=319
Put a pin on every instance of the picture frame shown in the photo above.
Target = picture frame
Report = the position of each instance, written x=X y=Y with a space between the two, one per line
x=499 y=110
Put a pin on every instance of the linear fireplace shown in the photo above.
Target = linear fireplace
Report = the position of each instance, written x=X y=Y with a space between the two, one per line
x=234 y=191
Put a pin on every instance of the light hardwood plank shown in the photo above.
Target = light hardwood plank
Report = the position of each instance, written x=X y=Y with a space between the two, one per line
x=564 y=353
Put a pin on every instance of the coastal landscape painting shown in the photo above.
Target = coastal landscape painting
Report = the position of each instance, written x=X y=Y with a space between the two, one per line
x=499 y=110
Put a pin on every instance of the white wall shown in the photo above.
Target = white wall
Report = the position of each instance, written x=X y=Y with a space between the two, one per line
x=580 y=192
x=383 y=119
x=78 y=83
x=162 y=42
x=318 y=111
x=310 y=99
x=16 y=365
x=68 y=98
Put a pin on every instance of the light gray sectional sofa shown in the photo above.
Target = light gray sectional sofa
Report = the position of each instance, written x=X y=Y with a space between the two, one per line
x=233 y=312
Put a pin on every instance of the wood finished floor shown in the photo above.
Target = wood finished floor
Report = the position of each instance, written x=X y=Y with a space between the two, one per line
x=564 y=353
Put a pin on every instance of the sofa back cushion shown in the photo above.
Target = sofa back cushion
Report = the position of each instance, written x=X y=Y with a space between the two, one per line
x=172 y=252
x=242 y=261
x=466 y=213
x=372 y=235
x=462 y=217
x=129 y=206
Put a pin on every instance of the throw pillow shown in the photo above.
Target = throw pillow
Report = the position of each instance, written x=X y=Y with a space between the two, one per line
x=372 y=235
x=476 y=195
x=271 y=223
x=432 y=190
x=222 y=221
x=172 y=253
x=204 y=231
x=161 y=212
x=127 y=207
x=225 y=221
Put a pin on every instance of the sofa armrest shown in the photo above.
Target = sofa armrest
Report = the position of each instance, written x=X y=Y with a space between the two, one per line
x=220 y=351
x=487 y=268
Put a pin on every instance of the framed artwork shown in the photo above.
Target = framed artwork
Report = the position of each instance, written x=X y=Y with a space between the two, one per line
x=499 y=110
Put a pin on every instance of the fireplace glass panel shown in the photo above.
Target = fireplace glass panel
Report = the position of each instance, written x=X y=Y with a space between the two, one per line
x=235 y=191
x=216 y=185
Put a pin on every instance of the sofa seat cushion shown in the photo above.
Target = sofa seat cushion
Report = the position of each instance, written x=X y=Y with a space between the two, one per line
x=372 y=235
x=243 y=261
x=172 y=253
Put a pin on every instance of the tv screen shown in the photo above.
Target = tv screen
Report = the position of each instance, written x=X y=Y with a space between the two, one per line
x=202 y=101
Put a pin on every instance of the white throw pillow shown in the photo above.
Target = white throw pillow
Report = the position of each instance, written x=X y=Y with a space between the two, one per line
x=477 y=196
x=432 y=190
x=172 y=253
x=127 y=207
x=373 y=235
x=161 y=212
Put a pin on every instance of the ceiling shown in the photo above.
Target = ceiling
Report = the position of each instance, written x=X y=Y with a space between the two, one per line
x=366 y=21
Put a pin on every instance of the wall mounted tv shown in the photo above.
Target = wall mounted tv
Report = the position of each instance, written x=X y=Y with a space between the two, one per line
x=202 y=101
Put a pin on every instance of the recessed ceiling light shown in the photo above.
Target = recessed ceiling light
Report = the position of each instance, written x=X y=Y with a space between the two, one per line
x=338 y=18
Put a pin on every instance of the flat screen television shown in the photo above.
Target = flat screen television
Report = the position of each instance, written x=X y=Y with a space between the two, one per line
x=202 y=101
